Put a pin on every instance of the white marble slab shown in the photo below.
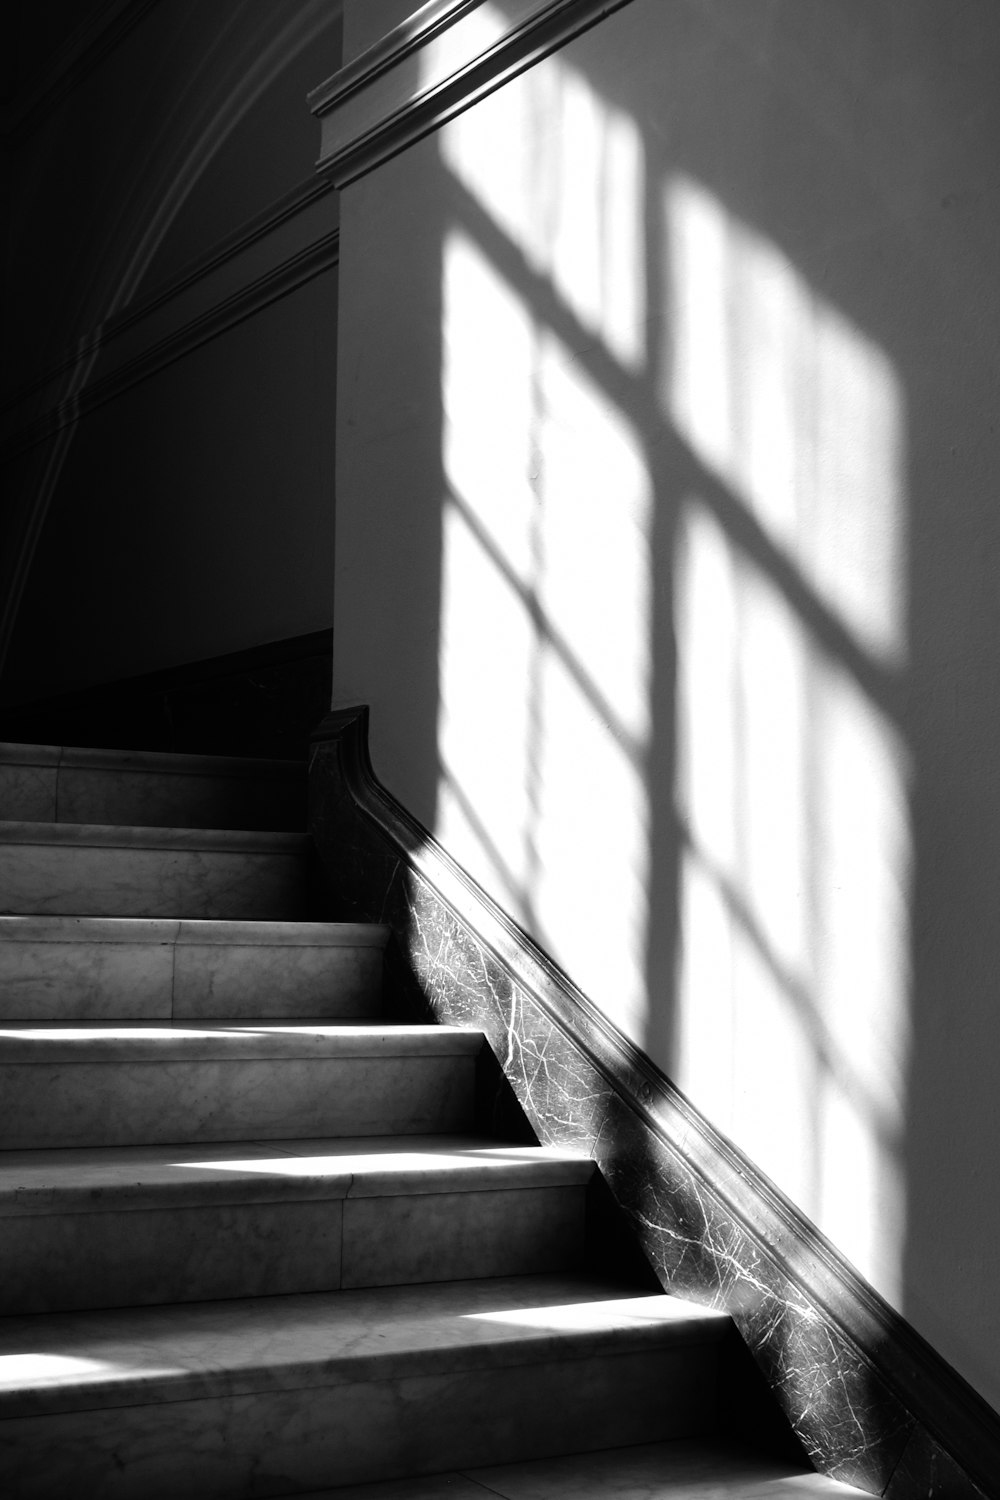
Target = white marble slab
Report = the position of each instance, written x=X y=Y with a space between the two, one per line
x=169 y=1255
x=436 y=1236
x=128 y=1041
x=67 y=785
x=72 y=1180
x=83 y=870
x=679 y=1470
x=62 y=968
x=290 y=1440
x=150 y=1084
x=85 y=1361
x=27 y=791
x=143 y=1225
x=54 y=968
x=243 y=980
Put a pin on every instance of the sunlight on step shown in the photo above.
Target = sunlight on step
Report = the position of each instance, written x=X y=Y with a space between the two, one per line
x=345 y=1162
x=20 y=1370
x=599 y=1314
x=792 y=777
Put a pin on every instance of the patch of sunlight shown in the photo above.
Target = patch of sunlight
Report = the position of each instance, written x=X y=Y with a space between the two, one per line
x=32 y=1369
x=793 y=988
x=471 y=35
x=566 y=192
x=544 y=656
x=613 y=1312
x=344 y=1163
x=794 y=408
x=98 y=1033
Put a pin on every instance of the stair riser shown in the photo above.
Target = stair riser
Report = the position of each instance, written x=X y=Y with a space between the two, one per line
x=55 y=880
x=70 y=1261
x=93 y=981
x=275 y=1443
x=80 y=793
x=119 y=1103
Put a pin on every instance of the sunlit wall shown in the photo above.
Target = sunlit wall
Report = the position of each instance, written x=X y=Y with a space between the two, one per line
x=789 y=818
x=690 y=627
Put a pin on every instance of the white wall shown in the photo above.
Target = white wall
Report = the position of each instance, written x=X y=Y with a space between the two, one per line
x=666 y=553
x=189 y=512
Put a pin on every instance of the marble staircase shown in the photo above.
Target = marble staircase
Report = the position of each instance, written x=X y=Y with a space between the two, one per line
x=252 y=1242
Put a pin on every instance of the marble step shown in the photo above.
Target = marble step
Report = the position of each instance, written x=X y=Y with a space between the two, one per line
x=59 y=784
x=135 y=1084
x=284 y=1394
x=154 y=968
x=144 y=1225
x=90 y=869
x=684 y=1469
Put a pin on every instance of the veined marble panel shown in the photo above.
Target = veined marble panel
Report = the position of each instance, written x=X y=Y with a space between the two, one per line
x=847 y=1401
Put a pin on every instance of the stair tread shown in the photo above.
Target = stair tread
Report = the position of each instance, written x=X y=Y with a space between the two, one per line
x=148 y=761
x=136 y=1356
x=112 y=1179
x=142 y=836
x=194 y=930
x=682 y=1469
x=32 y=1043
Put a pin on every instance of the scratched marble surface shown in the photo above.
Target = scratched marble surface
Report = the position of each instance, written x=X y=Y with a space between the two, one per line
x=99 y=794
x=283 y=1441
x=27 y=789
x=52 y=1104
x=281 y=980
x=847 y=1419
x=53 y=783
x=141 y=1225
x=93 y=968
x=57 y=878
x=679 y=1470
x=88 y=1360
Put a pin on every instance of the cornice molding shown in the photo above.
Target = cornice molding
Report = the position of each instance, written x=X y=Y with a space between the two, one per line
x=374 y=107
x=940 y=1404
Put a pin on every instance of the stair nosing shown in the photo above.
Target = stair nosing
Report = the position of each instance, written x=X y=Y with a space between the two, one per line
x=31 y=1044
x=28 y=833
x=192 y=931
x=127 y=1186
x=150 y=762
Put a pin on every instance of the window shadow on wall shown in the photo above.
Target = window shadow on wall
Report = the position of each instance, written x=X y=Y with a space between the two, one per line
x=715 y=540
